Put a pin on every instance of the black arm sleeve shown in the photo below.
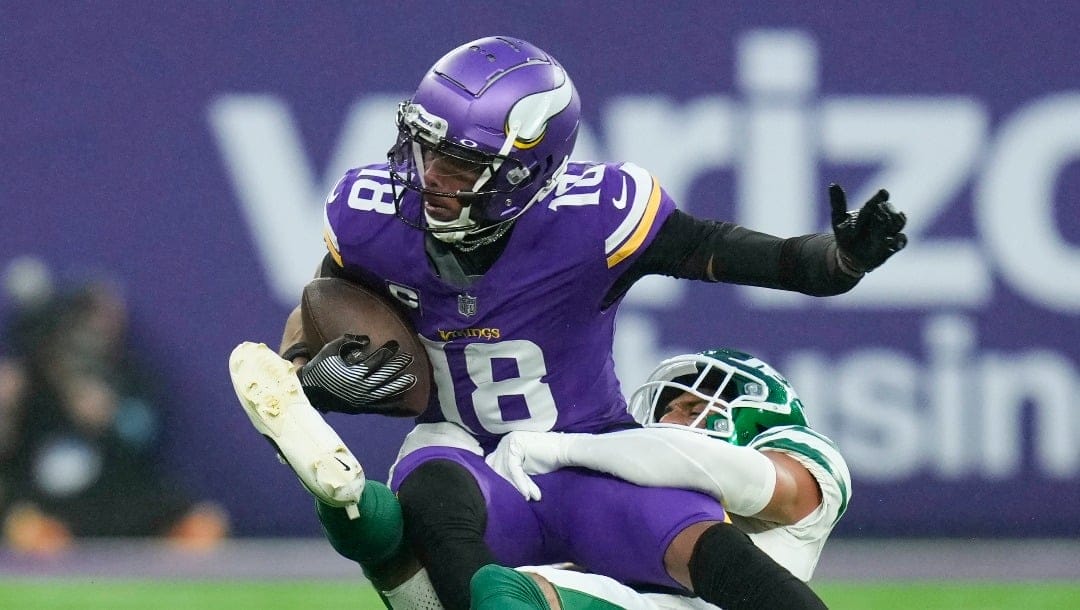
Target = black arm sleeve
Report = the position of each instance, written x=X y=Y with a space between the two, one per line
x=690 y=248
x=726 y=569
x=330 y=268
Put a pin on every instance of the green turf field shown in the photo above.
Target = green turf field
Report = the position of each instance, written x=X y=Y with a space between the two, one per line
x=231 y=595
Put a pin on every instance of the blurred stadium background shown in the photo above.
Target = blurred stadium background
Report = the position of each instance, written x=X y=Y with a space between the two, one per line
x=185 y=150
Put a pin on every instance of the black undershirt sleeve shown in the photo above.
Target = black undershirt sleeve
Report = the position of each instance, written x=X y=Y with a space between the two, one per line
x=691 y=248
x=330 y=268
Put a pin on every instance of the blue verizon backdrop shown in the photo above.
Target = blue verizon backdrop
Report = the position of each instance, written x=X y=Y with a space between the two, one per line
x=188 y=152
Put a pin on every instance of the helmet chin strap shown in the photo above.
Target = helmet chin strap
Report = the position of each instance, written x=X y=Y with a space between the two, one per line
x=457 y=238
x=463 y=221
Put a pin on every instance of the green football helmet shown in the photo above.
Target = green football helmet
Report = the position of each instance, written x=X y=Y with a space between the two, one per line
x=743 y=395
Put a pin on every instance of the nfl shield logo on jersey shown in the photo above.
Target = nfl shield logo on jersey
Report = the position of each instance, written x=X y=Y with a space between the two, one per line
x=466 y=305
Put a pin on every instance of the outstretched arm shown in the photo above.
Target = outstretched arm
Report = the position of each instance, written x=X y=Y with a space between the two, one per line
x=817 y=264
x=741 y=478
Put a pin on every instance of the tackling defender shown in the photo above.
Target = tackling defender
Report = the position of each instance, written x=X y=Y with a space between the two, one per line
x=784 y=484
x=512 y=279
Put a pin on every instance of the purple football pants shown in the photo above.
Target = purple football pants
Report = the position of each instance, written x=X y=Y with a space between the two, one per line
x=596 y=521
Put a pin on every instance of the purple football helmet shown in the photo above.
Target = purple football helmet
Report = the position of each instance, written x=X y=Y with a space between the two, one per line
x=501 y=106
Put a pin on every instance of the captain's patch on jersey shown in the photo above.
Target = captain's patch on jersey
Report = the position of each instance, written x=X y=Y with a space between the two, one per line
x=409 y=297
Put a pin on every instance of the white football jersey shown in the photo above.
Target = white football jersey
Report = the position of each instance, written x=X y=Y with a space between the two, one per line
x=797 y=547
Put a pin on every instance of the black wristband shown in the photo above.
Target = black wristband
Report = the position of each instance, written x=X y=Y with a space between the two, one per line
x=296 y=351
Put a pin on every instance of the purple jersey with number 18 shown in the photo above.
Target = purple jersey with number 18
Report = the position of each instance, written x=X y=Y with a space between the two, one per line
x=527 y=346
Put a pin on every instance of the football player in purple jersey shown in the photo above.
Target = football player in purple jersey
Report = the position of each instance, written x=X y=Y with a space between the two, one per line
x=511 y=262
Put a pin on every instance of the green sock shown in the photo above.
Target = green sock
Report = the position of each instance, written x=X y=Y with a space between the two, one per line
x=495 y=587
x=372 y=538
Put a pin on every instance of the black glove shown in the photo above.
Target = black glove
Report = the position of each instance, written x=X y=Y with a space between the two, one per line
x=867 y=238
x=347 y=377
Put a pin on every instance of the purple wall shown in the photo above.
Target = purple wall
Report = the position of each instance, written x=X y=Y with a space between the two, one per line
x=188 y=151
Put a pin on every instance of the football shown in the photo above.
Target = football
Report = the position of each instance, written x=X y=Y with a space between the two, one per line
x=331 y=307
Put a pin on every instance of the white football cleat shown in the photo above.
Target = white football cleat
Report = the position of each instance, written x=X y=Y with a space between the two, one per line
x=270 y=393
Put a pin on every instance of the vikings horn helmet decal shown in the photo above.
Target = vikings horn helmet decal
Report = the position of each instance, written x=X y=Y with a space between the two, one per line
x=530 y=115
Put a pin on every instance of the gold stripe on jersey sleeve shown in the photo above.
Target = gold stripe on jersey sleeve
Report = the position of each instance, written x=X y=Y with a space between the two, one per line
x=644 y=226
x=332 y=248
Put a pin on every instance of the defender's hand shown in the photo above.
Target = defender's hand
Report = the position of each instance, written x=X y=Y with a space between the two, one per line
x=348 y=377
x=868 y=237
x=520 y=454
